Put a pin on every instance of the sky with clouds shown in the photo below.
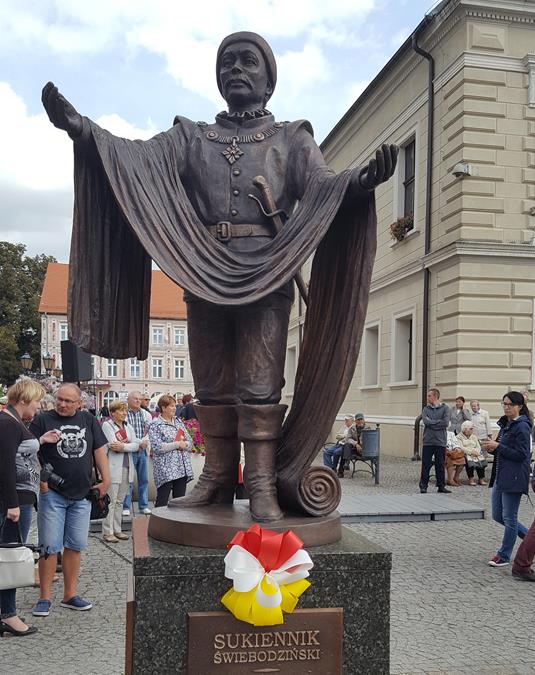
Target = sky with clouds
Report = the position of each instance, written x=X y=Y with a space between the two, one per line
x=132 y=65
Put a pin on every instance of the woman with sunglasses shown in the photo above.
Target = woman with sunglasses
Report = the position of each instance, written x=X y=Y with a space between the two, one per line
x=510 y=472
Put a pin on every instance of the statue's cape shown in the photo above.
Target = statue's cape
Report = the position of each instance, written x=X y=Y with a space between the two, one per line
x=131 y=207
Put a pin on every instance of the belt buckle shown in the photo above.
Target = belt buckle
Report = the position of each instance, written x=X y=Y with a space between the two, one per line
x=222 y=231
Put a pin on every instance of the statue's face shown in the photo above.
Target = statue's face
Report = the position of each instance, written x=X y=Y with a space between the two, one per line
x=243 y=75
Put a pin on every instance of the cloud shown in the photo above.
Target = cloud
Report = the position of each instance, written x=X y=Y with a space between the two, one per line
x=183 y=34
x=36 y=169
x=399 y=38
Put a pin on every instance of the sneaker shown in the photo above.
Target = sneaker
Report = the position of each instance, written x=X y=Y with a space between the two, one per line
x=146 y=511
x=126 y=512
x=525 y=575
x=77 y=603
x=41 y=608
x=498 y=562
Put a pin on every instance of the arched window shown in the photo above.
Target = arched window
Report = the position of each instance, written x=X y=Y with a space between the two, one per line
x=110 y=396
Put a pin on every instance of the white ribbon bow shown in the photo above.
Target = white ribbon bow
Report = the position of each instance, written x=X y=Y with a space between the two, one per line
x=246 y=572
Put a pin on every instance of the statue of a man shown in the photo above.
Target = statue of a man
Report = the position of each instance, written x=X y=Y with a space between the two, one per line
x=186 y=198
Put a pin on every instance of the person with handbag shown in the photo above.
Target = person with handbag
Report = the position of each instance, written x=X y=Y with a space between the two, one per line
x=122 y=442
x=66 y=481
x=171 y=444
x=455 y=461
x=509 y=479
x=475 y=457
x=19 y=484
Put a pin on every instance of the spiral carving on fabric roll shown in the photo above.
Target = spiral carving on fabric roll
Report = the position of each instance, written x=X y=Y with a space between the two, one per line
x=319 y=491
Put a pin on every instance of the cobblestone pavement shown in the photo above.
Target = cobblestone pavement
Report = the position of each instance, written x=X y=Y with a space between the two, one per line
x=451 y=613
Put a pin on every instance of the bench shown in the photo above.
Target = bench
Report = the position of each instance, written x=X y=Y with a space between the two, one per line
x=370 y=453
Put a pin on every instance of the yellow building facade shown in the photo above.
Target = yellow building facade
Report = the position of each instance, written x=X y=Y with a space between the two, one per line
x=452 y=303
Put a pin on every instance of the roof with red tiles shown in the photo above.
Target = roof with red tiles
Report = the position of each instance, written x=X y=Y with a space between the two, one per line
x=166 y=302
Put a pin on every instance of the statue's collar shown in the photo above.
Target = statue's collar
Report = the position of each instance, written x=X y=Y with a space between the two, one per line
x=249 y=120
x=239 y=117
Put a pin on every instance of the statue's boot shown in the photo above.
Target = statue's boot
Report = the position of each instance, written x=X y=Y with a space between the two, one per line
x=259 y=427
x=217 y=482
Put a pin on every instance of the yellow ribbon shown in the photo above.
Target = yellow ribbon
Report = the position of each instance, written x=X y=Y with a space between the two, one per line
x=245 y=607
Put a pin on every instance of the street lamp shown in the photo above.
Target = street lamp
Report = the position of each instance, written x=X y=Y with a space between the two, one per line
x=57 y=372
x=49 y=362
x=26 y=361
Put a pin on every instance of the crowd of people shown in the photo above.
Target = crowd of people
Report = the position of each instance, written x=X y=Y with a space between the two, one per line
x=49 y=453
x=49 y=457
x=457 y=438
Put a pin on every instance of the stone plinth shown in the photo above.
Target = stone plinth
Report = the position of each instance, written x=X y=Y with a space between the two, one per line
x=172 y=580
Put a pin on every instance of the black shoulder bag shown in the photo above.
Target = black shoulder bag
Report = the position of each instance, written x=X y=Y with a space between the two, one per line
x=100 y=506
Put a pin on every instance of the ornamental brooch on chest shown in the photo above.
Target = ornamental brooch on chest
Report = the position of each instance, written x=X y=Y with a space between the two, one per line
x=233 y=151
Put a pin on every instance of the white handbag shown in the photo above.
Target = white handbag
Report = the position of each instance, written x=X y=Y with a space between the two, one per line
x=17 y=566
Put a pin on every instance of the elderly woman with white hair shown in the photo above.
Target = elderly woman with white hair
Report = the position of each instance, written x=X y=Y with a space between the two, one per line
x=475 y=456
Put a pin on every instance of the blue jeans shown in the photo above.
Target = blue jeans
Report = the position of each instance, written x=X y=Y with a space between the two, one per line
x=62 y=522
x=330 y=452
x=505 y=511
x=141 y=464
x=9 y=533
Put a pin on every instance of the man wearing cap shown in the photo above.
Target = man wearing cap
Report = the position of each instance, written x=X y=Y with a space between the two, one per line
x=186 y=198
x=353 y=443
x=333 y=452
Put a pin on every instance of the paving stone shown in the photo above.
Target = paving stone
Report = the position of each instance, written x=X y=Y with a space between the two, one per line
x=442 y=587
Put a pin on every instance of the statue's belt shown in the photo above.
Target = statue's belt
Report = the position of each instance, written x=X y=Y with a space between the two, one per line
x=224 y=231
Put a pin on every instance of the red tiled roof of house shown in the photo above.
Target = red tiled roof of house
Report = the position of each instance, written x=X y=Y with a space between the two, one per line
x=166 y=302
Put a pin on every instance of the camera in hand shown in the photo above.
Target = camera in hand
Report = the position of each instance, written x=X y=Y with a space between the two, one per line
x=49 y=476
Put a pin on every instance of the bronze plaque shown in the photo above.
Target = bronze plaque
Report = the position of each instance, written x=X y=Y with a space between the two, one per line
x=307 y=643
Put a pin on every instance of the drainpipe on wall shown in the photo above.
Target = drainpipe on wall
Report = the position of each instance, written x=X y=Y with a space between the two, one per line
x=427 y=239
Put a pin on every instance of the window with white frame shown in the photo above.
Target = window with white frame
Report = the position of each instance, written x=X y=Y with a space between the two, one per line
x=179 y=369
x=157 y=335
x=135 y=368
x=112 y=367
x=371 y=355
x=403 y=347
x=157 y=368
x=63 y=331
x=109 y=397
x=291 y=366
x=93 y=366
x=180 y=337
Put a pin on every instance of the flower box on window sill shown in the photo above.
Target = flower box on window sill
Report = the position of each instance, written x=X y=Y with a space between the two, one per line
x=401 y=227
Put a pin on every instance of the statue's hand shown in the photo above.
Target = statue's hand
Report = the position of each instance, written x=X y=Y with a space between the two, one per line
x=62 y=114
x=380 y=169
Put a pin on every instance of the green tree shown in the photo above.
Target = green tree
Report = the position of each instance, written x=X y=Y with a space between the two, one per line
x=21 y=281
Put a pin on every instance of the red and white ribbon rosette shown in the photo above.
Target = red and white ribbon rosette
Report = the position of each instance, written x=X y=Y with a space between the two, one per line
x=268 y=570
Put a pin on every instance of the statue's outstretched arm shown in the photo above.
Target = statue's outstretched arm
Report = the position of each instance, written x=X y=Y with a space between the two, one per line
x=61 y=113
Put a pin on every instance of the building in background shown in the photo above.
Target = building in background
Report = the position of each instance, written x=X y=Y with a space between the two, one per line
x=452 y=300
x=166 y=370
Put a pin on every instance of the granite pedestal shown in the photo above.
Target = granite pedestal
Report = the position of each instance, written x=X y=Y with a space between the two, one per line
x=170 y=581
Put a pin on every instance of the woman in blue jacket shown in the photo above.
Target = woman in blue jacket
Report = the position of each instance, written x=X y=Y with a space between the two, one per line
x=510 y=472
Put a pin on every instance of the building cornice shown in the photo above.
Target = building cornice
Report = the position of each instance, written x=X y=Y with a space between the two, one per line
x=459 y=248
x=516 y=11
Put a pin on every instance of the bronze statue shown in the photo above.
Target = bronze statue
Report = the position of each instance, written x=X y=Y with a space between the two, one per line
x=206 y=201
